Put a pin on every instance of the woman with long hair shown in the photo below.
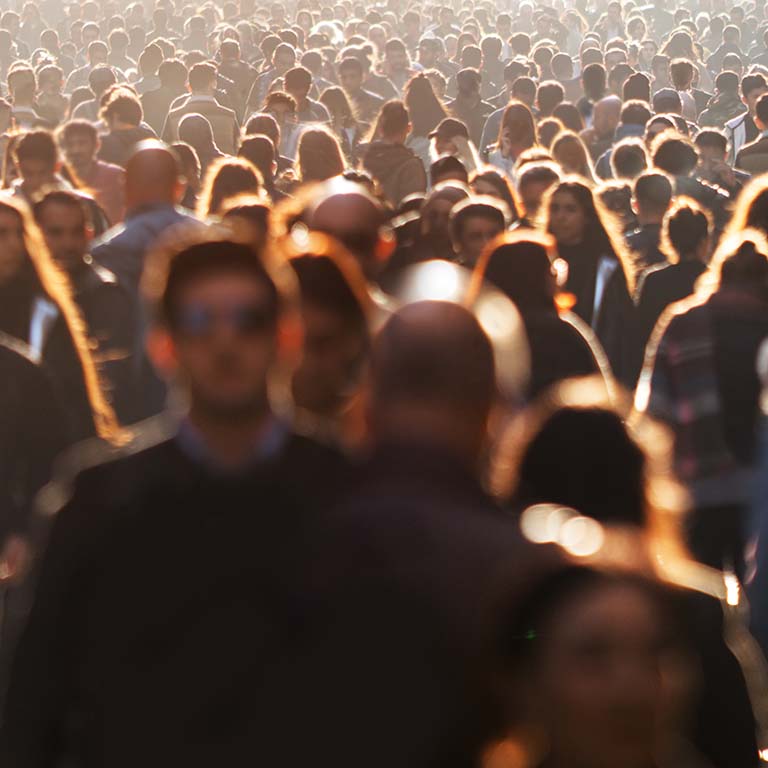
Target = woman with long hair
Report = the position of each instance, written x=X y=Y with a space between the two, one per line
x=600 y=270
x=196 y=131
x=344 y=123
x=569 y=152
x=516 y=134
x=225 y=178
x=426 y=112
x=319 y=156
x=36 y=307
x=190 y=170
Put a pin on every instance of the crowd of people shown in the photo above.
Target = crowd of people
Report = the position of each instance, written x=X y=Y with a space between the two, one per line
x=383 y=384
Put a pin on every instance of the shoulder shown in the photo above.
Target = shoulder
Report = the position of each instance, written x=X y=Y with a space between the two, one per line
x=735 y=122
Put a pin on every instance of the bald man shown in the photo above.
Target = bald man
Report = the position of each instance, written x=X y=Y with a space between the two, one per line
x=152 y=191
x=349 y=213
x=421 y=546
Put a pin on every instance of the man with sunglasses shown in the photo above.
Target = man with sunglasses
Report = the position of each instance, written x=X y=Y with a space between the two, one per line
x=175 y=596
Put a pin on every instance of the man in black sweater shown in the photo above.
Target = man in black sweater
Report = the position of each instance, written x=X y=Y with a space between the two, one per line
x=176 y=591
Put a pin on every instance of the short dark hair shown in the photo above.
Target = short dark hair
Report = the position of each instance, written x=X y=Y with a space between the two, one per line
x=635 y=112
x=172 y=72
x=728 y=82
x=202 y=260
x=350 y=63
x=674 y=154
x=629 y=159
x=548 y=95
x=298 y=78
x=711 y=137
x=751 y=83
x=685 y=227
x=77 y=128
x=37 y=145
x=125 y=107
x=653 y=191
x=447 y=165
x=202 y=75
x=472 y=207
x=66 y=197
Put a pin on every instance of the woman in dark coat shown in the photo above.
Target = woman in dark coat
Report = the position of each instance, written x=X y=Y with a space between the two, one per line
x=36 y=308
x=600 y=273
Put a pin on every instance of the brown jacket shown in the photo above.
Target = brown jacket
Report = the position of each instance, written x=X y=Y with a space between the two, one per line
x=753 y=157
x=398 y=171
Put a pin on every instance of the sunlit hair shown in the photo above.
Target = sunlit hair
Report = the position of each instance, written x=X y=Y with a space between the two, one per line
x=571 y=155
x=518 y=120
x=739 y=258
x=752 y=208
x=424 y=107
x=250 y=219
x=602 y=231
x=686 y=225
x=663 y=500
x=502 y=188
x=227 y=177
x=56 y=287
x=319 y=155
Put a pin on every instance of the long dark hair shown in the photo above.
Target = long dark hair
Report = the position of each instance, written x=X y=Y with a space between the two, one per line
x=518 y=120
x=602 y=233
x=425 y=109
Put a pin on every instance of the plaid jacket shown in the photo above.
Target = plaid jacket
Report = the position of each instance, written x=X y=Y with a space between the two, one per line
x=679 y=387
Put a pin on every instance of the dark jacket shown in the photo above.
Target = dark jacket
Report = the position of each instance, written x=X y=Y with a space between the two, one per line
x=109 y=314
x=171 y=604
x=32 y=433
x=721 y=108
x=157 y=104
x=644 y=243
x=561 y=348
x=424 y=556
x=753 y=157
x=396 y=168
x=473 y=113
x=658 y=287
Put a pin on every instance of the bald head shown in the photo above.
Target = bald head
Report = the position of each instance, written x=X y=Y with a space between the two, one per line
x=433 y=376
x=606 y=115
x=354 y=218
x=152 y=175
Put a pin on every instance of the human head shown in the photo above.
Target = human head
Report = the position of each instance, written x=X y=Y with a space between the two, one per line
x=37 y=159
x=493 y=183
x=151 y=176
x=351 y=74
x=448 y=168
x=259 y=150
x=524 y=90
x=393 y=123
x=651 y=197
x=474 y=223
x=517 y=126
x=218 y=325
x=202 y=79
x=712 y=146
x=416 y=388
x=761 y=112
x=79 y=141
x=396 y=55
x=593 y=80
x=606 y=116
x=569 y=152
x=468 y=82
x=319 y=155
x=227 y=177
x=629 y=159
x=752 y=88
x=637 y=87
x=674 y=154
x=297 y=82
x=173 y=75
x=123 y=110
x=534 y=181
x=65 y=223
x=686 y=231
x=549 y=94
x=347 y=212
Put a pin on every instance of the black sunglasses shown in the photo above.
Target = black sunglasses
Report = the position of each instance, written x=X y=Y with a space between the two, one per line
x=198 y=321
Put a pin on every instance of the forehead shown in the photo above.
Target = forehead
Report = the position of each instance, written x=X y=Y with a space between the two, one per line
x=223 y=288
x=59 y=214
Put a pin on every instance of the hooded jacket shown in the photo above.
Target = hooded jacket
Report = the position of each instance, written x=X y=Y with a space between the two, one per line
x=721 y=109
x=396 y=168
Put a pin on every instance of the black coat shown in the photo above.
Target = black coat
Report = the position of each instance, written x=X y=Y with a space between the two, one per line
x=32 y=433
x=424 y=557
x=170 y=607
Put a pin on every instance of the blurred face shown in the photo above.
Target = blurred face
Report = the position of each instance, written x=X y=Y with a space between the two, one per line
x=66 y=234
x=281 y=112
x=752 y=98
x=332 y=350
x=397 y=59
x=532 y=194
x=427 y=57
x=80 y=151
x=36 y=174
x=567 y=221
x=351 y=80
x=436 y=217
x=648 y=51
x=12 y=251
x=710 y=158
x=476 y=233
x=600 y=680
x=284 y=61
x=225 y=344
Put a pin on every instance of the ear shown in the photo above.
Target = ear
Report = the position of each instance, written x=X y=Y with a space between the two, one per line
x=162 y=352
